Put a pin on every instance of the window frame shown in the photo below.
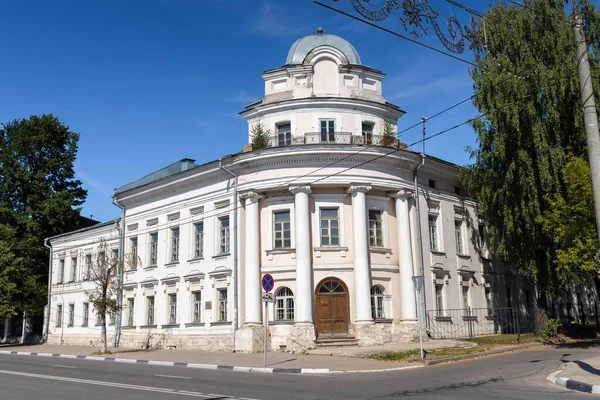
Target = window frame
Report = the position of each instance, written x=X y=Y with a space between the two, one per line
x=222 y=305
x=88 y=266
x=172 y=308
x=71 y=315
x=130 y=311
x=282 y=230
x=198 y=249
x=439 y=298
x=59 y=316
x=133 y=248
x=381 y=230
x=287 y=139
x=152 y=249
x=223 y=235
x=328 y=201
x=288 y=305
x=377 y=302
x=329 y=227
x=459 y=236
x=196 y=307
x=73 y=269
x=434 y=241
x=174 y=244
x=368 y=134
x=329 y=135
x=86 y=314
x=465 y=295
x=150 y=310
x=61 y=271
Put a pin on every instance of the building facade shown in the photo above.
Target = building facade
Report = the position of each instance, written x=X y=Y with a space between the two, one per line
x=327 y=210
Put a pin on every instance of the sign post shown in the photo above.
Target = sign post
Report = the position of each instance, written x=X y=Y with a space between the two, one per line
x=267 y=284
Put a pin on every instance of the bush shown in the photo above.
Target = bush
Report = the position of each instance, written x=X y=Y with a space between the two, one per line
x=551 y=329
x=260 y=136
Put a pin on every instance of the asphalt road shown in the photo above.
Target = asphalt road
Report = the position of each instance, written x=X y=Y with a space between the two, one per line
x=519 y=375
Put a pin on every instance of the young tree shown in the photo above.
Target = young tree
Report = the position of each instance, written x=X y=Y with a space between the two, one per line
x=103 y=297
x=39 y=198
x=261 y=137
x=390 y=137
x=528 y=90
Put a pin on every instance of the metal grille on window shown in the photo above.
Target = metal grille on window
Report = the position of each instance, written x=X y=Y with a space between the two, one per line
x=284 y=301
x=328 y=130
x=330 y=235
x=199 y=240
x=130 y=311
x=222 y=304
x=150 y=310
x=375 y=228
x=153 y=248
x=377 y=296
x=224 y=235
x=281 y=229
x=284 y=135
x=172 y=308
x=197 y=306
x=174 y=244
x=433 y=241
x=458 y=236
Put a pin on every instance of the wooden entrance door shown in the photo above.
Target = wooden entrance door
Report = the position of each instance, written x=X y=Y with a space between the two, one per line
x=333 y=314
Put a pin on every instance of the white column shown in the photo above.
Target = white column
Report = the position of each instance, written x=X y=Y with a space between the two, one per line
x=362 y=275
x=252 y=288
x=405 y=258
x=304 y=292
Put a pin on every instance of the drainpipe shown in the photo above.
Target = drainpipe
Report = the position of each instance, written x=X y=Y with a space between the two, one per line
x=235 y=249
x=419 y=227
x=121 y=229
x=49 y=289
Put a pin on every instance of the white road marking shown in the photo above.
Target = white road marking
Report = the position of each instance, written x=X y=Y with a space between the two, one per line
x=64 y=366
x=173 y=376
x=118 y=385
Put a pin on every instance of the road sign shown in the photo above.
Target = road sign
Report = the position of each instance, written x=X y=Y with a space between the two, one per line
x=268 y=297
x=268 y=282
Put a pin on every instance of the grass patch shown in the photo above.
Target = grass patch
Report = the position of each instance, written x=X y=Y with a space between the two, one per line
x=506 y=339
x=101 y=353
x=399 y=356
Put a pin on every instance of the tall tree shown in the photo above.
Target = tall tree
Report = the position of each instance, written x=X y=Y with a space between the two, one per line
x=39 y=197
x=527 y=88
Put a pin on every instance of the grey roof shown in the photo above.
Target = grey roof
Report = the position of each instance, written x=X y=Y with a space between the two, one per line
x=179 y=166
x=306 y=44
x=88 y=228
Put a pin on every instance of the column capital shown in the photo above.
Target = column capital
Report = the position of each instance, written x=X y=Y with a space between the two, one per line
x=401 y=194
x=358 y=187
x=251 y=194
x=301 y=189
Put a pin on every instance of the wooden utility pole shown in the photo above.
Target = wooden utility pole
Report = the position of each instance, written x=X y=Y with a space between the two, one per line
x=590 y=117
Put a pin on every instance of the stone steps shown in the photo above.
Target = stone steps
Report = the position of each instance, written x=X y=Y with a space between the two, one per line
x=336 y=342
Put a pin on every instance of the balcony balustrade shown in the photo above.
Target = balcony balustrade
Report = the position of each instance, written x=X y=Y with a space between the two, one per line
x=286 y=139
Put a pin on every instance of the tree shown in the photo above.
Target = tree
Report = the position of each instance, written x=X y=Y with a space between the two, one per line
x=39 y=198
x=390 y=137
x=103 y=297
x=527 y=88
x=261 y=137
x=570 y=222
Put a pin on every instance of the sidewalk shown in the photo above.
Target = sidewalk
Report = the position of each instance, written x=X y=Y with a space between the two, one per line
x=328 y=360
x=581 y=375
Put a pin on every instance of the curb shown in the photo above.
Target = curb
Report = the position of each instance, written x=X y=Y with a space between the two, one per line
x=214 y=367
x=483 y=353
x=573 y=384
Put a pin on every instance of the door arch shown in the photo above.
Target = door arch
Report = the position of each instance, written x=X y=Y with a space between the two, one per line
x=332 y=308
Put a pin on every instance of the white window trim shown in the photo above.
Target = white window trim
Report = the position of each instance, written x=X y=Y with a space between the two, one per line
x=328 y=201
x=221 y=212
x=380 y=204
x=281 y=205
x=436 y=210
x=170 y=232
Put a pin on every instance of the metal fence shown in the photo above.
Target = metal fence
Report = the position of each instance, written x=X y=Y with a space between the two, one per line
x=467 y=323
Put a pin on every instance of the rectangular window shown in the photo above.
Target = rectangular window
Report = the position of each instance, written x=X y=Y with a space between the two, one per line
x=197 y=306
x=375 y=228
x=330 y=224
x=150 y=310
x=88 y=267
x=439 y=299
x=433 y=233
x=174 y=244
x=488 y=300
x=73 y=269
x=367 y=132
x=465 y=297
x=86 y=314
x=153 y=250
x=284 y=134
x=222 y=293
x=327 y=130
x=199 y=240
x=281 y=230
x=172 y=309
x=98 y=319
x=224 y=235
x=59 y=315
x=458 y=237
x=114 y=263
x=130 y=311
x=71 y=314
x=61 y=271
x=133 y=244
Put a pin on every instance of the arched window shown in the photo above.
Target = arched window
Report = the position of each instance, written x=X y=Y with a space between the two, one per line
x=377 y=302
x=284 y=304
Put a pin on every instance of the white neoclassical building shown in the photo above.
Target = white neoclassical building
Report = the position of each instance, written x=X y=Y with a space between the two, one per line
x=326 y=210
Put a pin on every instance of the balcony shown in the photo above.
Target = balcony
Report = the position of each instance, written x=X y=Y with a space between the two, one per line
x=286 y=139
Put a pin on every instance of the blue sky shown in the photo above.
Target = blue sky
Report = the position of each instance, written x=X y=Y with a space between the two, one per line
x=148 y=82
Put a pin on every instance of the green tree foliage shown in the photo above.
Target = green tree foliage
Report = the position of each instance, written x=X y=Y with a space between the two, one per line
x=39 y=197
x=527 y=88
x=390 y=137
x=261 y=137
x=570 y=222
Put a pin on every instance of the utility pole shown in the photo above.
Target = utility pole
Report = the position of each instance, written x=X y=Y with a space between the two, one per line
x=590 y=118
